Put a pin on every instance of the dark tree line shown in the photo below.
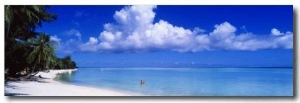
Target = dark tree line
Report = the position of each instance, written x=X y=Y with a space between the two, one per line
x=27 y=51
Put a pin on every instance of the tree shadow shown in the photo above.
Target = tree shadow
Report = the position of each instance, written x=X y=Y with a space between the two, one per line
x=14 y=94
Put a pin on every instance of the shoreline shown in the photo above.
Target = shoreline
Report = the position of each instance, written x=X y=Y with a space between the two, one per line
x=47 y=86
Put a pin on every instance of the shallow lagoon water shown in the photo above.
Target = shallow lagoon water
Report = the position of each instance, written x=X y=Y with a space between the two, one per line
x=187 y=81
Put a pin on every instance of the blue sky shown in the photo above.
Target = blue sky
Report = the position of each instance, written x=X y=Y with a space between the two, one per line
x=173 y=36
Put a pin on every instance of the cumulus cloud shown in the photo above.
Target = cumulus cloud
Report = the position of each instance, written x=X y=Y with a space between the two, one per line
x=276 y=32
x=91 y=45
x=136 y=31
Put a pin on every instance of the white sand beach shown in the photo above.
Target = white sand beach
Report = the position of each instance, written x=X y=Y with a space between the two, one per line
x=50 y=87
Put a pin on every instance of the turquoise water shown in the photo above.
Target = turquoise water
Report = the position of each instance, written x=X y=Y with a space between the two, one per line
x=188 y=81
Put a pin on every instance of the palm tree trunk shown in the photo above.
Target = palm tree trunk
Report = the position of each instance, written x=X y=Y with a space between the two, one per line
x=29 y=74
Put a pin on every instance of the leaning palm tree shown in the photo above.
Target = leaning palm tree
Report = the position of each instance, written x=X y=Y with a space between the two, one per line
x=42 y=54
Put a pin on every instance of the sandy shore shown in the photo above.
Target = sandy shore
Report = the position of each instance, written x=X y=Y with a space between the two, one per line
x=50 y=87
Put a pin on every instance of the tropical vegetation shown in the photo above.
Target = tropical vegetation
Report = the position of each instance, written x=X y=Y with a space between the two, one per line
x=27 y=51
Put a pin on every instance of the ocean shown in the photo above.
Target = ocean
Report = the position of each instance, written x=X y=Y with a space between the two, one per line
x=187 y=81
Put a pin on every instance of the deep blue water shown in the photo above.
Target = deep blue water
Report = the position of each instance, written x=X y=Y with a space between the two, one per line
x=188 y=81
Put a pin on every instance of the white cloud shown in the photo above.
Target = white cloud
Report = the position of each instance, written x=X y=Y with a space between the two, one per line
x=73 y=32
x=135 y=31
x=285 y=41
x=55 y=39
x=91 y=45
x=69 y=46
x=131 y=18
x=276 y=32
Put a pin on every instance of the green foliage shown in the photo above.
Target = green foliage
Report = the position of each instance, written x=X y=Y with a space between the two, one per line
x=65 y=63
x=68 y=63
x=25 y=49
x=21 y=20
x=15 y=57
x=43 y=52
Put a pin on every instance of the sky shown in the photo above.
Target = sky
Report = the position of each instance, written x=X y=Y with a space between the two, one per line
x=173 y=36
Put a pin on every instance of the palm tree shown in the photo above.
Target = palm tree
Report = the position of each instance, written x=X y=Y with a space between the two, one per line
x=67 y=62
x=42 y=54
x=21 y=20
x=58 y=64
x=20 y=24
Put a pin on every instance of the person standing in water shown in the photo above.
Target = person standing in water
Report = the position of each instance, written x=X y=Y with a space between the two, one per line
x=142 y=82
